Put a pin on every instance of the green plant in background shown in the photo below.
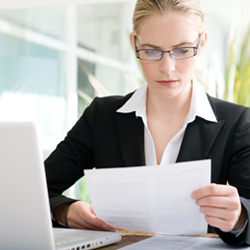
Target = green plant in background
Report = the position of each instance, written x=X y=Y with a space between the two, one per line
x=229 y=70
x=241 y=93
x=242 y=74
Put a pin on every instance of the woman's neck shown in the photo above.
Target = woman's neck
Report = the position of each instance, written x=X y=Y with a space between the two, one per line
x=166 y=108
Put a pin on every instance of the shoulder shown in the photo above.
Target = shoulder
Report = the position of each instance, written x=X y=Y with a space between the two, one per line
x=100 y=113
x=105 y=107
x=111 y=102
x=225 y=110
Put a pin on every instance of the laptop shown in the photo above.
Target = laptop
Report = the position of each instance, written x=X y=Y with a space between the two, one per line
x=25 y=217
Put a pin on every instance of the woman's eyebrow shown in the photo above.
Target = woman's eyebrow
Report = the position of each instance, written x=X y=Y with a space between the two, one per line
x=183 y=43
x=150 y=45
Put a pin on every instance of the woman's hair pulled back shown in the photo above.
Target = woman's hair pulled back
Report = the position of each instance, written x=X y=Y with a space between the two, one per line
x=147 y=8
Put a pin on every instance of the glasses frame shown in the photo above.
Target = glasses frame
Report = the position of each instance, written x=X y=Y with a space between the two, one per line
x=196 y=49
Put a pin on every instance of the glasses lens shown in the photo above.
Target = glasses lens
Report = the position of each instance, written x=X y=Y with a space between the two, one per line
x=150 y=54
x=182 y=53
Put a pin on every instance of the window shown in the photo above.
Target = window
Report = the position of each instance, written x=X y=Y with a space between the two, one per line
x=57 y=59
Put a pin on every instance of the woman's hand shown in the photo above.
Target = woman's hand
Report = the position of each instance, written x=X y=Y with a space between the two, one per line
x=80 y=215
x=221 y=206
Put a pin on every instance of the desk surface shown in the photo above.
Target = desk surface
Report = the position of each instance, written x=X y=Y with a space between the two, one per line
x=126 y=240
x=129 y=237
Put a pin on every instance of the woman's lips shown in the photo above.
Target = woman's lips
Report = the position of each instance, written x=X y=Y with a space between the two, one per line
x=167 y=82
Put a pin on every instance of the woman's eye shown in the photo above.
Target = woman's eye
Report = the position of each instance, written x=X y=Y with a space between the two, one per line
x=181 y=51
x=151 y=52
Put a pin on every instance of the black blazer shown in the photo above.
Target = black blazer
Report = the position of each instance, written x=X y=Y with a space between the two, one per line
x=104 y=138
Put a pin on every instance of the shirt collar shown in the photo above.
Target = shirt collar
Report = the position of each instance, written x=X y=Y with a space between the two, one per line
x=199 y=106
x=137 y=102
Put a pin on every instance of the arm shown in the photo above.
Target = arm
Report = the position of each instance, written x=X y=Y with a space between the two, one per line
x=226 y=207
x=65 y=166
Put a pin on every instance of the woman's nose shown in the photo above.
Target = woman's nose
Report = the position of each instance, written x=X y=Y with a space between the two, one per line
x=167 y=63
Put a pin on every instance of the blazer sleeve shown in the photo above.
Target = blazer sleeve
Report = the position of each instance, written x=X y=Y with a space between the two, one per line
x=74 y=154
x=239 y=175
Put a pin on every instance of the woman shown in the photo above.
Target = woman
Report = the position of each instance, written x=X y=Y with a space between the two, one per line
x=168 y=119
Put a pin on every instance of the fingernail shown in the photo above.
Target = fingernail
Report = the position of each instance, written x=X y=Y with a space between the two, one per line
x=112 y=229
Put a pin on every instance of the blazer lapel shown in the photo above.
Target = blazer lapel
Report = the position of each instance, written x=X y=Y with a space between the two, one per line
x=198 y=139
x=131 y=138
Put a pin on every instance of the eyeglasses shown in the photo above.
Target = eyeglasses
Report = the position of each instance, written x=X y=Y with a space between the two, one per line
x=176 y=54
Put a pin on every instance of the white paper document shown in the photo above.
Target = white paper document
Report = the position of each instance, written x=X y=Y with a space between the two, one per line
x=181 y=243
x=153 y=199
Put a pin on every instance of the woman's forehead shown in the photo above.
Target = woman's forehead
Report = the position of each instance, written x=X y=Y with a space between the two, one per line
x=167 y=28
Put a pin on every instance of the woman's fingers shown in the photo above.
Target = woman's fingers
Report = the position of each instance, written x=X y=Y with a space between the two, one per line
x=220 y=204
x=219 y=213
x=82 y=215
x=85 y=225
x=226 y=202
x=214 y=190
x=223 y=225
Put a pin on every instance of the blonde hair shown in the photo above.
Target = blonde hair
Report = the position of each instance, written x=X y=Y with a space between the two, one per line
x=190 y=8
x=147 y=8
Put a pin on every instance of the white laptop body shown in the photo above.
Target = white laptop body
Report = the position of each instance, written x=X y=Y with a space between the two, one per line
x=25 y=219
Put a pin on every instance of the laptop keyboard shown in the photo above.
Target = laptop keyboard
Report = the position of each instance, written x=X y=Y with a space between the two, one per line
x=60 y=240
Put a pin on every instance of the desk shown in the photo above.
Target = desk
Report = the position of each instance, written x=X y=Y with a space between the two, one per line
x=129 y=237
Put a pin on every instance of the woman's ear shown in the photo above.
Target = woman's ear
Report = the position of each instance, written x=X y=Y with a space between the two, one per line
x=132 y=40
x=203 y=41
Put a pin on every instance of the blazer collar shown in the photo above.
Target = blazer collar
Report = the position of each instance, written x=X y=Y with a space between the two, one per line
x=199 y=137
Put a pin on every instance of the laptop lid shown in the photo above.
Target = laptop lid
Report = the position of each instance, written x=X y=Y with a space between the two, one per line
x=25 y=214
x=25 y=217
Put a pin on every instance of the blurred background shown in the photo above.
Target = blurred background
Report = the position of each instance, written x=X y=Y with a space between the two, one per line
x=57 y=55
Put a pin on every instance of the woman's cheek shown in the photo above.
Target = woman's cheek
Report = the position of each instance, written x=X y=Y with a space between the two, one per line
x=186 y=67
x=148 y=70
